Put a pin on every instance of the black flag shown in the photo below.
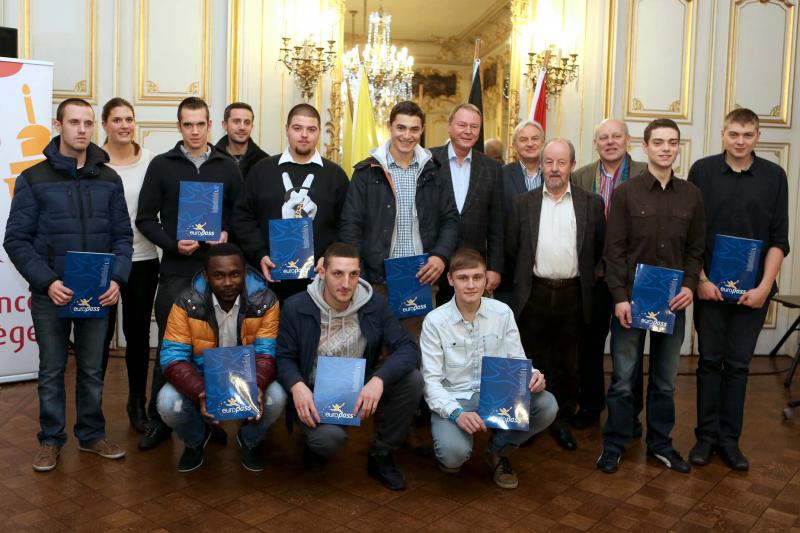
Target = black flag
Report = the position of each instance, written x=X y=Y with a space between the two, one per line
x=476 y=99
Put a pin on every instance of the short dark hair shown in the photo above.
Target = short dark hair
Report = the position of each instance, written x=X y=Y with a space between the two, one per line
x=304 y=110
x=741 y=115
x=466 y=258
x=660 y=123
x=340 y=249
x=192 y=102
x=223 y=249
x=112 y=105
x=236 y=105
x=406 y=107
x=70 y=101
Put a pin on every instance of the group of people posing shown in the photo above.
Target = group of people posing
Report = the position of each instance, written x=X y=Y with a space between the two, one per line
x=529 y=259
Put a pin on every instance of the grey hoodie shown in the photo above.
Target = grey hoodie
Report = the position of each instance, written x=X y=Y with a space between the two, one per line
x=340 y=334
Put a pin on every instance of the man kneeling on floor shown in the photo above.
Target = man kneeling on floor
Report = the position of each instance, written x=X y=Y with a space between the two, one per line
x=339 y=315
x=227 y=304
x=455 y=336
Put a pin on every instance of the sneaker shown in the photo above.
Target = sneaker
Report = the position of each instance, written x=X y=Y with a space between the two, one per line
x=733 y=457
x=608 y=461
x=252 y=458
x=502 y=473
x=701 y=453
x=104 y=448
x=155 y=433
x=672 y=460
x=192 y=458
x=380 y=465
x=46 y=458
x=447 y=469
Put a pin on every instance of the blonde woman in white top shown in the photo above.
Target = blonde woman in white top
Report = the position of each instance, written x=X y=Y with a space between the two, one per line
x=130 y=161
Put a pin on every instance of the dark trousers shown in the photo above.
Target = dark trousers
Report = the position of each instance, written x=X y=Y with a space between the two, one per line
x=394 y=416
x=550 y=326
x=137 y=307
x=169 y=287
x=727 y=335
x=592 y=388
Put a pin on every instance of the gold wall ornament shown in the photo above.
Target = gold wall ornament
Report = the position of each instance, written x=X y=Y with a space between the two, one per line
x=559 y=69
x=152 y=87
x=193 y=88
x=334 y=125
x=636 y=104
x=80 y=86
x=775 y=111
x=675 y=106
x=307 y=62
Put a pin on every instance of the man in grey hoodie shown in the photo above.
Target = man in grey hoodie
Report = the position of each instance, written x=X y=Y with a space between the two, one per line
x=340 y=315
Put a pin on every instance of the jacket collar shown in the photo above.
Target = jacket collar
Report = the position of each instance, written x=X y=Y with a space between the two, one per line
x=381 y=155
x=177 y=153
x=95 y=157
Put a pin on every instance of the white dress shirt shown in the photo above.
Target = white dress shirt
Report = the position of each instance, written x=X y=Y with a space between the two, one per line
x=460 y=174
x=227 y=323
x=557 y=249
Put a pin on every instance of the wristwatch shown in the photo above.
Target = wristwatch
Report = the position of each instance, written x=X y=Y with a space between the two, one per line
x=455 y=414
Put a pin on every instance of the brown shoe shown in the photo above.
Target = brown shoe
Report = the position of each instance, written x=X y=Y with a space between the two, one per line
x=104 y=448
x=46 y=458
x=502 y=473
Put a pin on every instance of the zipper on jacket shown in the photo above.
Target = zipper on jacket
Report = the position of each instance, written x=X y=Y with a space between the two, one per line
x=72 y=211
x=89 y=201
x=82 y=217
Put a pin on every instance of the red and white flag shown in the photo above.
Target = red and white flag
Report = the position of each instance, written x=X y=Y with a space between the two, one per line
x=539 y=104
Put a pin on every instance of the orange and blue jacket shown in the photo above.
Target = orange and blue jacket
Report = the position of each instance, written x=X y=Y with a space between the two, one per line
x=192 y=328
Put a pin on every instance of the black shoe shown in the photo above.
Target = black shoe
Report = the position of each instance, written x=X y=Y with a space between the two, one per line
x=313 y=461
x=192 y=458
x=155 y=432
x=252 y=458
x=701 y=453
x=638 y=430
x=137 y=413
x=218 y=435
x=733 y=457
x=380 y=465
x=585 y=418
x=564 y=438
x=671 y=460
x=608 y=461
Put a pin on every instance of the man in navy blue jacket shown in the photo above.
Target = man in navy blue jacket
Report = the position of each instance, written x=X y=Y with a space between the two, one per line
x=71 y=201
x=339 y=315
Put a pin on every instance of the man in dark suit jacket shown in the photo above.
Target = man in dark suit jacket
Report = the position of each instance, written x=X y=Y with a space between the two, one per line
x=556 y=234
x=614 y=167
x=478 y=191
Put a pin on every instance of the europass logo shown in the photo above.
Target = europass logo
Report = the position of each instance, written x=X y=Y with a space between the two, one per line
x=651 y=319
x=232 y=406
x=730 y=287
x=292 y=267
x=84 y=305
x=335 y=411
x=505 y=414
x=411 y=305
x=199 y=230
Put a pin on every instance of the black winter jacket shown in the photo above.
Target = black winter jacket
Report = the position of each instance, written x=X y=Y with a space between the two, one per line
x=58 y=208
x=253 y=155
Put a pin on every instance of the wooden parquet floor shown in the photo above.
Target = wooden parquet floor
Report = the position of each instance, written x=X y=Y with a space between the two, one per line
x=558 y=490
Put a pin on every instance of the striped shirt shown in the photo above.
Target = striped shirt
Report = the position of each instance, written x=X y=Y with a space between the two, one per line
x=532 y=181
x=405 y=187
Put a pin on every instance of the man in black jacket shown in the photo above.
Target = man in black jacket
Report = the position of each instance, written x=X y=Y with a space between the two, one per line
x=192 y=159
x=339 y=315
x=71 y=201
x=478 y=191
x=299 y=176
x=237 y=121
x=398 y=205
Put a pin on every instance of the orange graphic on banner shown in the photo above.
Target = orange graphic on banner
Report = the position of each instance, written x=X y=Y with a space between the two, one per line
x=33 y=140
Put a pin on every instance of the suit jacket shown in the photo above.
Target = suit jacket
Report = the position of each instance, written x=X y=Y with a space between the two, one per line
x=513 y=184
x=522 y=237
x=584 y=176
x=481 y=221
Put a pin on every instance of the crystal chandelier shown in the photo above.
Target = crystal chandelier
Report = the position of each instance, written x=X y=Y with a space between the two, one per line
x=307 y=62
x=389 y=71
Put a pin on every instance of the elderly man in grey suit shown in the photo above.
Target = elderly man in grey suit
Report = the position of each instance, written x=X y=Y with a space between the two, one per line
x=478 y=192
x=556 y=233
x=614 y=167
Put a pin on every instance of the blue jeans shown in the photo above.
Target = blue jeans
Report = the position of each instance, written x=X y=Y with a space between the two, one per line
x=627 y=347
x=453 y=446
x=183 y=415
x=52 y=335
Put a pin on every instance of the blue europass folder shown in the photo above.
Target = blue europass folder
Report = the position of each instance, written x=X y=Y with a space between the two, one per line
x=339 y=381
x=199 y=211
x=407 y=296
x=505 y=396
x=88 y=275
x=653 y=288
x=291 y=248
x=735 y=265
x=230 y=381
